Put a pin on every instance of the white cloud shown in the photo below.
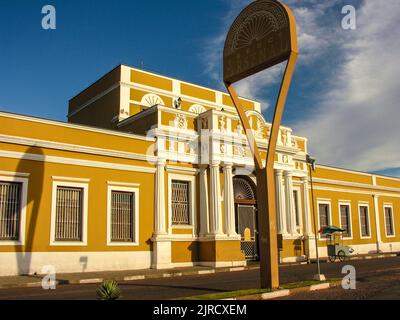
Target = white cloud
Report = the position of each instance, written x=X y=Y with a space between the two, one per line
x=356 y=124
x=313 y=41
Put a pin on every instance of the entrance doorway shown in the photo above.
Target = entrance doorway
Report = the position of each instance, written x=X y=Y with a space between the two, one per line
x=246 y=215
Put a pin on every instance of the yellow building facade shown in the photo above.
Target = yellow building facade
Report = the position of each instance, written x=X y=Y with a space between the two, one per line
x=153 y=172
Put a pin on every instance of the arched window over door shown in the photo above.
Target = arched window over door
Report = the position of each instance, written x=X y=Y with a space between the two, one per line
x=244 y=190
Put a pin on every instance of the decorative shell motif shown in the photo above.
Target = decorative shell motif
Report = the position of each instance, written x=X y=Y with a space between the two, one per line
x=197 y=109
x=151 y=100
x=260 y=20
x=180 y=121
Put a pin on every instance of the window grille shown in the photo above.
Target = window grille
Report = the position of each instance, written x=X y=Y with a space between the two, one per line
x=122 y=216
x=180 y=202
x=389 y=221
x=10 y=210
x=345 y=220
x=69 y=214
x=323 y=215
x=364 y=221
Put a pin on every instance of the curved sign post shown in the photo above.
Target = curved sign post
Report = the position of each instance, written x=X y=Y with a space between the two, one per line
x=263 y=35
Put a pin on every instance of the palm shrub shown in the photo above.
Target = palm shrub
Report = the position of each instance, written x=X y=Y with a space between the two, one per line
x=108 y=290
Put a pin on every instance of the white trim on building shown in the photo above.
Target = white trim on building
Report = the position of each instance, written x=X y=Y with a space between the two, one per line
x=136 y=215
x=85 y=197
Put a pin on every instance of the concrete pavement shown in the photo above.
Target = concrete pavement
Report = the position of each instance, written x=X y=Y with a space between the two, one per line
x=191 y=285
x=134 y=275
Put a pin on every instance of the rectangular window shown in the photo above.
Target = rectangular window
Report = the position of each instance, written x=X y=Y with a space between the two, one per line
x=389 y=221
x=122 y=216
x=69 y=214
x=323 y=215
x=364 y=221
x=345 y=220
x=180 y=203
x=296 y=207
x=10 y=210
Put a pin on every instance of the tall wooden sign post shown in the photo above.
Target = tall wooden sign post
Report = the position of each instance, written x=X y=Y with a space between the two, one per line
x=263 y=35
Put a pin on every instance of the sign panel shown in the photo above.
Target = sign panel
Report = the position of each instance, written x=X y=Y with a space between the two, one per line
x=258 y=39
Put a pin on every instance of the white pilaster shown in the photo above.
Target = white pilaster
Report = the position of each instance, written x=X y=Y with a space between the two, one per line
x=377 y=223
x=161 y=246
x=229 y=202
x=279 y=202
x=291 y=222
x=204 y=206
x=306 y=202
x=159 y=228
x=215 y=200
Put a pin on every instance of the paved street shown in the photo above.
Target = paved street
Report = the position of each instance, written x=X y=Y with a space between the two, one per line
x=378 y=279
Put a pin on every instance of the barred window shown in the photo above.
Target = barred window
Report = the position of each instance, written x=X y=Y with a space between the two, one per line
x=122 y=216
x=180 y=202
x=10 y=210
x=323 y=215
x=345 y=219
x=364 y=221
x=69 y=209
x=389 y=221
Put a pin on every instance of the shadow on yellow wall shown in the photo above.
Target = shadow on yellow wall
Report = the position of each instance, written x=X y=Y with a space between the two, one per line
x=35 y=190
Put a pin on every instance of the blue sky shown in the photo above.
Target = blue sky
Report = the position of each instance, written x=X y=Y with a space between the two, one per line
x=344 y=96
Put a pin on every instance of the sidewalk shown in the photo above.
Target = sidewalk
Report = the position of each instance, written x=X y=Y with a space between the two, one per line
x=133 y=275
x=120 y=276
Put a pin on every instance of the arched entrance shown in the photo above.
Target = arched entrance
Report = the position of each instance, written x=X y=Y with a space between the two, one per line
x=246 y=215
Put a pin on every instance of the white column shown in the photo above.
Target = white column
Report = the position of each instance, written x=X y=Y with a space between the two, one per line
x=229 y=202
x=204 y=207
x=161 y=245
x=307 y=212
x=291 y=222
x=215 y=200
x=160 y=199
x=377 y=223
x=280 y=202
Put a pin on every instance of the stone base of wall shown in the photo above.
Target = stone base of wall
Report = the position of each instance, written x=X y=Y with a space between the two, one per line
x=71 y=262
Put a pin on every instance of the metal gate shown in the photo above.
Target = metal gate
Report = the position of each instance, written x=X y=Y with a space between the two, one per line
x=247 y=228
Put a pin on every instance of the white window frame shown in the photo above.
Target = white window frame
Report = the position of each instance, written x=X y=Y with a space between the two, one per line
x=136 y=192
x=365 y=204
x=346 y=203
x=85 y=187
x=329 y=203
x=299 y=207
x=192 y=206
x=22 y=221
x=390 y=206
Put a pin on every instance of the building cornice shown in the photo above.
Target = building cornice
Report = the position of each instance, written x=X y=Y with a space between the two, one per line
x=75 y=148
x=75 y=126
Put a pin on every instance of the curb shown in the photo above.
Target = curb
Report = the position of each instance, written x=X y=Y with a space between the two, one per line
x=357 y=258
x=127 y=278
x=287 y=292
